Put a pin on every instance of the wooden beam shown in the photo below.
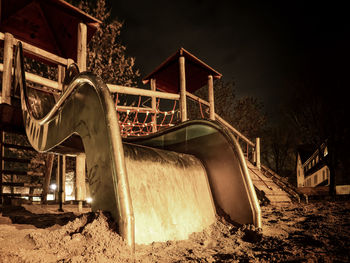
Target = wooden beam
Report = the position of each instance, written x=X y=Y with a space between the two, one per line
x=139 y=109
x=217 y=117
x=154 y=105
x=37 y=79
x=142 y=92
x=196 y=98
x=7 y=69
x=42 y=54
x=239 y=135
x=211 y=97
x=182 y=82
x=82 y=46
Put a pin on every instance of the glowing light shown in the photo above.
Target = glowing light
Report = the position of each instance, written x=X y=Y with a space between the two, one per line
x=89 y=200
x=53 y=187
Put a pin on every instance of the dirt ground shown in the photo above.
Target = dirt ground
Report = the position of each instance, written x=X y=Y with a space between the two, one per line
x=316 y=232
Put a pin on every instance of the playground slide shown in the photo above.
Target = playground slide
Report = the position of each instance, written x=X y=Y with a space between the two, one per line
x=161 y=187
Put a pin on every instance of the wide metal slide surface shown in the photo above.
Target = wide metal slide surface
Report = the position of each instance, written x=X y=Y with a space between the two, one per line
x=161 y=187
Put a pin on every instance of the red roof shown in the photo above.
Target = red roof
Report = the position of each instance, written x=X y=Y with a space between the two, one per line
x=51 y=25
x=167 y=74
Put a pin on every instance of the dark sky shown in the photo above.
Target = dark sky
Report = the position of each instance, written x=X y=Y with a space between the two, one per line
x=262 y=45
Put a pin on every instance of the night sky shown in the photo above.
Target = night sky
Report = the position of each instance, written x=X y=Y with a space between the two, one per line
x=264 y=46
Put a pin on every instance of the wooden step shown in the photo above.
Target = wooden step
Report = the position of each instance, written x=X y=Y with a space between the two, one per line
x=22 y=185
x=19 y=147
x=28 y=173
x=22 y=160
x=20 y=195
x=15 y=160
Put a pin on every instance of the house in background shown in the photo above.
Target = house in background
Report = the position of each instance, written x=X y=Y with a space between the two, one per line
x=312 y=169
x=313 y=174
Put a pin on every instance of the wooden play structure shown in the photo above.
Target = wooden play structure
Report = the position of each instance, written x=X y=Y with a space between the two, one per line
x=45 y=39
x=205 y=165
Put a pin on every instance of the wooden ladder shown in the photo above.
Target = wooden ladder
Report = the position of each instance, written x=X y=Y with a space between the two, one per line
x=21 y=171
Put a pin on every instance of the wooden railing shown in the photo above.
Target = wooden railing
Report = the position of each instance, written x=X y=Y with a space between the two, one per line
x=7 y=68
x=56 y=86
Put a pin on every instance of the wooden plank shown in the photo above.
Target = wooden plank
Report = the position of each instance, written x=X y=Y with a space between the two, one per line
x=7 y=67
x=142 y=92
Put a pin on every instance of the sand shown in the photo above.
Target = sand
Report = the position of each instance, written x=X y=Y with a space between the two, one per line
x=316 y=232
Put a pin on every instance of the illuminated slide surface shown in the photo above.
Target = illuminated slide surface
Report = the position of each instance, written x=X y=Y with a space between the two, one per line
x=161 y=187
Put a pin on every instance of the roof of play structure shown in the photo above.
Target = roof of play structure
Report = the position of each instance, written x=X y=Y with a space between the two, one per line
x=51 y=25
x=167 y=74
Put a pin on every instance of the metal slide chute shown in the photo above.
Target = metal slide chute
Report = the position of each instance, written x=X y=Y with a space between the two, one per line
x=161 y=187
x=221 y=155
x=87 y=110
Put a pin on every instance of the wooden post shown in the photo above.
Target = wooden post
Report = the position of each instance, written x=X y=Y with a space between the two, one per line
x=257 y=152
x=69 y=61
x=211 y=97
x=61 y=168
x=182 y=81
x=254 y=154
x=81 y=48
x=80 y=180
x=7 y=73
x=154 y=105
x=47 y=178
x=1 y=163
x=60 y=79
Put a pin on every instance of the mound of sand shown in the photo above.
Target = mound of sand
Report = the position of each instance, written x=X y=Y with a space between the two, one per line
x=318 y=232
